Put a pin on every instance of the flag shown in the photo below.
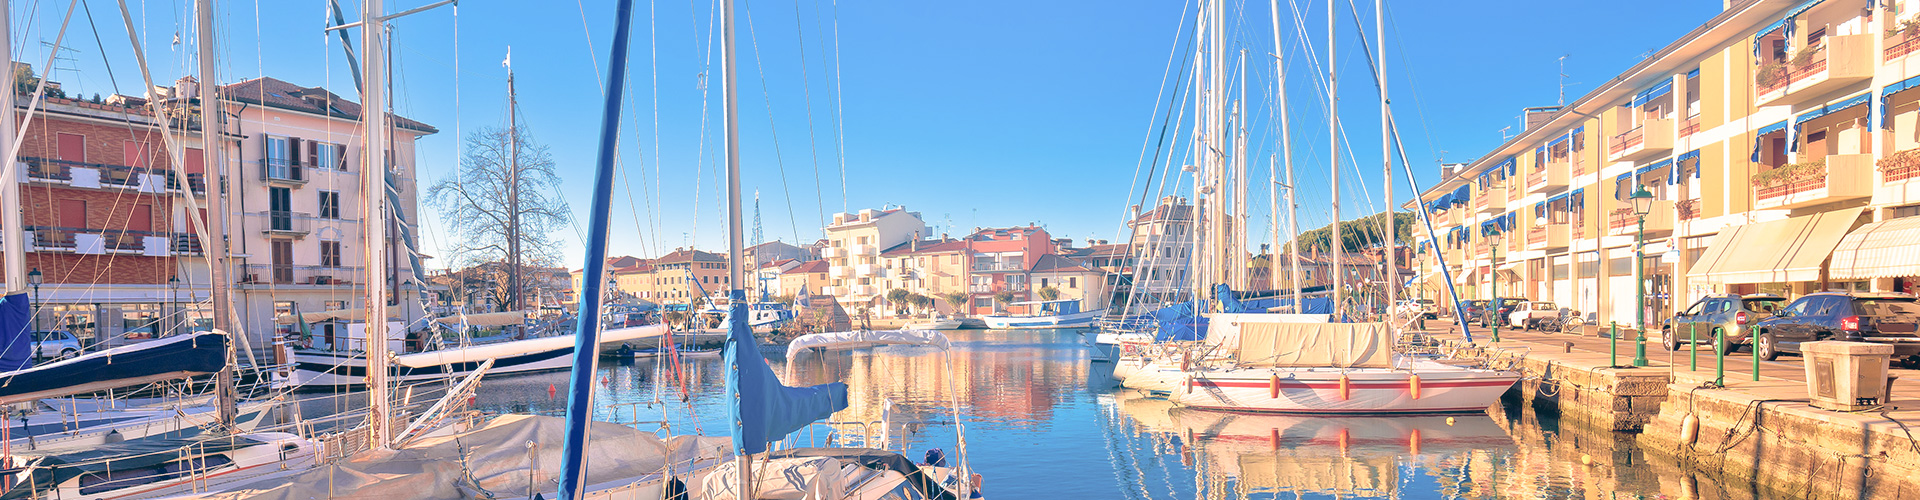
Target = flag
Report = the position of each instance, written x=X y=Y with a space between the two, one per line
x=508 y=62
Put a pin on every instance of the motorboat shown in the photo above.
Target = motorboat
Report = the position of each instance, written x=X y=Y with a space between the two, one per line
x=938 y=324
x=1047 y=314
x=347 y=367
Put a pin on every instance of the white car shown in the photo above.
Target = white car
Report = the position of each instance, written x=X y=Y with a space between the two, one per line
x=1423 y=307
x=1531 y=313
x=55 y=344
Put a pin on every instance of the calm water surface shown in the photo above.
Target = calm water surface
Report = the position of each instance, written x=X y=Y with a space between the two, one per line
x=1041 y=421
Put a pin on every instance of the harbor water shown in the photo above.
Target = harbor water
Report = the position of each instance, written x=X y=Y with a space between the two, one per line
x=1041 y=421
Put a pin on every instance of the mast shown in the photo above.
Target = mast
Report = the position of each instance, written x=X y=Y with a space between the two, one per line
x=586 y=336
x=731 y=122
x=1333 y=155
x=513 y=191
x=1240 y=182
x=1286 y=151
x=1196 y=273
x=213 y=151
x=12 y=221
x=1391 y=278
x=373 y=175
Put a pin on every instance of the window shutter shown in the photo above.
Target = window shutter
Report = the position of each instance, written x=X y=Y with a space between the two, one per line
x=313 y=154
x=293 y=151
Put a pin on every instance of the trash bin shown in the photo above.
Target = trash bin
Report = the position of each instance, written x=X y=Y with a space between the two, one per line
x=1846 y=376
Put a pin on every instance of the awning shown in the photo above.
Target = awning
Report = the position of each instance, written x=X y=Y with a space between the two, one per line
x=1882 y=249
x=1778 y=251
x=509 y=318
x=1665 y=86
x=354 y=314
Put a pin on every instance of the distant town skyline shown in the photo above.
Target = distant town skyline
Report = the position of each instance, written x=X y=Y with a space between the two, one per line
x=974 y=114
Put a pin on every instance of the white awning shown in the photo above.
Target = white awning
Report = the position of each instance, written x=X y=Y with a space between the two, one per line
x=1884 y=249
x=509 y=318
x=1781 y=251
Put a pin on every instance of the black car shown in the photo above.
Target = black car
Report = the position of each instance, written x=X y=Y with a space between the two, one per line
x=1473 y=309
x=1724 y=314
x=1888 y=318
x=1478 y=313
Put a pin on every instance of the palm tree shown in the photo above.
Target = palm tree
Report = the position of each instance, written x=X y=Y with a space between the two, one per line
x=1049 y=293
x=958 y=301
x=898 y=297
x=1003 y=297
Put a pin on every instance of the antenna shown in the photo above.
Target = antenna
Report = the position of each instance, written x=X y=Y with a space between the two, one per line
x=758 y=238
x=1563 y=79
x=61 y=62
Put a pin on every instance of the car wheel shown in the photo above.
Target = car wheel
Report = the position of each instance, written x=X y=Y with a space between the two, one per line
x=1721 y=345
x=1763 y=346
x=68 y=353
x=1667 y=339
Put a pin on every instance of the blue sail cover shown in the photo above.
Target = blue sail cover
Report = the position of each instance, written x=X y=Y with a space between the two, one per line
x=763 y=409
x=1178 y=322
x=16 y=324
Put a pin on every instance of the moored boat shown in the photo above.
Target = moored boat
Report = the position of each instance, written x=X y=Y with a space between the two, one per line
x=1049 y=314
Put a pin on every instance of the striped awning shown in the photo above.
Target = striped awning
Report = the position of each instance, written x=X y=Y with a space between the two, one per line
x=1665 y=86
x=1781 y=251
x=1882 y=249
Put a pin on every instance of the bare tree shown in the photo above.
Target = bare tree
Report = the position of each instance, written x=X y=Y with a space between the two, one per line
x=503 y=205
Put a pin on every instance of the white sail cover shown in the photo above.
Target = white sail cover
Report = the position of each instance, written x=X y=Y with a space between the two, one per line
x=1336 y=345
x=496 y=459
x=865 y=338
x=509 y=318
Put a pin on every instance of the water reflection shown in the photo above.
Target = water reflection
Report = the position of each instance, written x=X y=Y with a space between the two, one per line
x=1042 y=422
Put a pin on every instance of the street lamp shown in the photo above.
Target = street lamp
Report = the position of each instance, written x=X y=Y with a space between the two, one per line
x=1642 y=203
x=173 y=301
x=35 y=278
x=1493 y=265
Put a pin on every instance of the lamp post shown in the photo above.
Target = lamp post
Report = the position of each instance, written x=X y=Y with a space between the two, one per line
x=1642 y=203
x=1493 y=268
x=173 y=301
x=35 y=278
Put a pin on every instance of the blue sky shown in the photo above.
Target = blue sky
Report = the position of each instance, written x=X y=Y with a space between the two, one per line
x=985 y=113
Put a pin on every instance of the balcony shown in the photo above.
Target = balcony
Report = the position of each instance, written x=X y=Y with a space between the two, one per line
x=1577 y=166
x=49 y=169
x=1690 y=125
x=279 y=173
x=1547 y=179
x=1898 y=46
x=97 y=241
x=840 y=271
x=287 y=274
x=866 y=290
x=1015 y=287
x=832 y=291
x=979 y=288
x=186 y=244
x=860 y=250
x=1839 y=178
x=1622 y=221
x=285 y=224
x=832 y=252
x=1548 y=237
x=992 y=266
x=1687 y=209
x=1491 y=201
x=870 y=271
x=1651 y=139
x=1838 y=62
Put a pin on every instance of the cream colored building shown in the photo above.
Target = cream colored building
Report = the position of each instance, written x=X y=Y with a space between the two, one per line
x=854 y=242
x=1073 y=280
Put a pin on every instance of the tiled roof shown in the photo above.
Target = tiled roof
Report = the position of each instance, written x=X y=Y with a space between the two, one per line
x=1166 y=213
x=688 y=256
x=1112 y=250
x=1057 y=264
x=269 y=91
x=927 y=246
x=818 y=266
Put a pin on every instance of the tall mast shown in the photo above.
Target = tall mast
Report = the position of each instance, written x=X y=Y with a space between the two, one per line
x=514 y=301
x=373 y=174
x=1217 y=137
x=1240 y=231
x=1333 y=155
x=11 y=216
x=730 y=101
x=1196 y=273
x=1286 y=153
x=1391 y=280
x=214 y=152
x=586 y=336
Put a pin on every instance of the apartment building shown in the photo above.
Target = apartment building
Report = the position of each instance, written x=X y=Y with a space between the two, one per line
x=1162 y=242
x=684 y=275
x=1002 y=260
x=1072 y=280
x=1772 y=150
x=295 y=204
x=854 y=242
x=810 y=277
x=930 y=267
x=105 y=225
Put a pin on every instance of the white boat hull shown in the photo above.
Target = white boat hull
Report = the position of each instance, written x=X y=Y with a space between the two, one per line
x=1442 y=389
x=1110 y=346
x=335 y=368
x=1045 y=321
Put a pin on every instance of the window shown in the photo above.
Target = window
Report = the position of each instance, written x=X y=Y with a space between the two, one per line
x=1043 y=282
x=137 y=154
x=1073 y=282
x=330 y=253
x=329 y=156
x=329 y=204
x=334 y=305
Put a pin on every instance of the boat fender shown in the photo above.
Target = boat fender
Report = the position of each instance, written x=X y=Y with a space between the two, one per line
x=1413 y=441
x=1273 y=387
x=1346 y=388
x=1188 y=387
x=1186 y=361
x=1689 y=429
x=979 y=482
x=1413 y=385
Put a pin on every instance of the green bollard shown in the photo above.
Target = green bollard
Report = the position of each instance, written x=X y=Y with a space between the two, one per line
x=1756 y=356
x=1720 y=359
x=1613 y=343
x=1693 y=352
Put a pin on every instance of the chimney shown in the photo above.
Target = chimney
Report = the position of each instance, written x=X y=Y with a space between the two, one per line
x=1537 y=116
x=915 y=245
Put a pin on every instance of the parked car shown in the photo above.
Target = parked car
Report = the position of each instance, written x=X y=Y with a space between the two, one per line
x=1474 y=309
x=55 y=344
x=1423 y=307
x=1725 y=314
x=1530 y=314
x=1888 y=318
x=1506 y=308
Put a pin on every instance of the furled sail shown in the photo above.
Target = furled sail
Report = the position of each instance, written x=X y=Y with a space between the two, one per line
x=762 y=408
x=16 y=331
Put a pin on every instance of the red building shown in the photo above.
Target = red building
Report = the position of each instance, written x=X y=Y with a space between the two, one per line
x=1001 y=259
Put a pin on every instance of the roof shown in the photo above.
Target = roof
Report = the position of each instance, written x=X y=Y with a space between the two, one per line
x=273 y=92
x=1165 y=212
x=938 y=245
x=1057 y=264
x=633 y=269
x=818 y=266
x=776 y=264
x=688 y=255
x=1112 y=250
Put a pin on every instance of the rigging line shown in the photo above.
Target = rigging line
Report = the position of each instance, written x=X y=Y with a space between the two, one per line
x=653 y=51
x=1167 y=123
x=1413 y=86
x=701 y=154
x=591 y=55
x=813 y=143
x=767 y=95
x=840 y=106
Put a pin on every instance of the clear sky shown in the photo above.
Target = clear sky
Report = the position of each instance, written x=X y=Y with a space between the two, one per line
x=982 y=113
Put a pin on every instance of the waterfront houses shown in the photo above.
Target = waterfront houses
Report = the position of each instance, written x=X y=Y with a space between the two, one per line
x=854 y=242
x=1775 y=149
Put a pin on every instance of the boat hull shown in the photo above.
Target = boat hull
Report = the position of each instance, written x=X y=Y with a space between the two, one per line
x=1321 y=390
x=1043 y=322
x=314 y=368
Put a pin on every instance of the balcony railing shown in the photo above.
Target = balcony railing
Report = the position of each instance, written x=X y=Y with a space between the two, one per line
x=1578 y=165
x=281 y=172
x=49 y=169
x=186 y=244
x=285 y=223
x=119 y=176
x=1623 y=222
x=992 y=266
x=1900 y=46
x=1688 y=209
x=980 y=288
x=1838 y=178
x=1654 y=137
x=1624 y=140
x=1690 y=126
x=288 y=274
x=1836 y=63
x=1770 y=77
x=53 y=237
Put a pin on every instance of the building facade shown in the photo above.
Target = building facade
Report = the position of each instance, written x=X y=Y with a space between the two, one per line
x=1776 y=148
x=854 y=242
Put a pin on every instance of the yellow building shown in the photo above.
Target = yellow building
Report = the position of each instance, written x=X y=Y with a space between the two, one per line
x=810 y=276
x=1778 y=146
x=1072 y=280
x=688 y=274
x=854 y=242
x=927 y=267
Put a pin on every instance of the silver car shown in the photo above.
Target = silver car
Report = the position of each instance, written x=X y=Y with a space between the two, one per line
x=57 y=344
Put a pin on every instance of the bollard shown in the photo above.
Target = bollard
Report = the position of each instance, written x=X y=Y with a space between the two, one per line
x=1756 y=356
x=1693 y=339
x=1720 y=359
x=1613 y=343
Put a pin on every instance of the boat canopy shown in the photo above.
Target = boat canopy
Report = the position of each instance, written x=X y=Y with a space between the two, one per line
x=356 y=313
x=164 y=359
x=864 y=338
x=509 y=318
x=1305 y=345
x=125 y=457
